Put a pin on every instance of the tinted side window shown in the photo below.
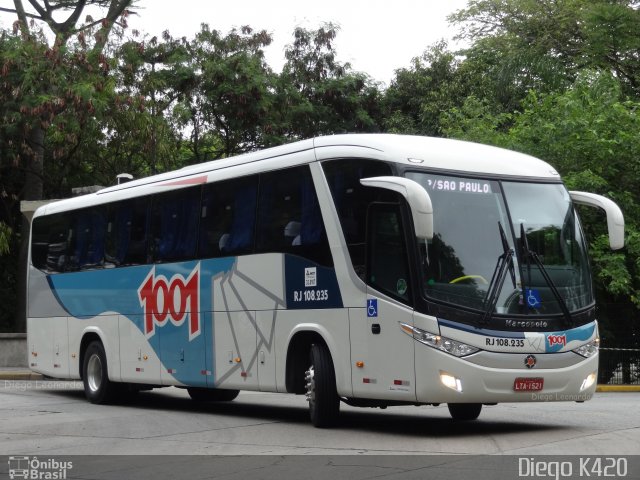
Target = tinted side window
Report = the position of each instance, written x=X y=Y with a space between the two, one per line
x=174 y=223
x=289 y=217
x=86 y=237
x=352 y=199
x=126 y=242
x=49 y=243
x=228 y=217
x=388 y=270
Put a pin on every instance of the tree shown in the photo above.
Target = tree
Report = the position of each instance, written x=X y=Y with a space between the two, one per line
x=154 y=75
x=544 y=44
x=319 y=95
x=418 y=94
x=44 y=86
x=229 y=110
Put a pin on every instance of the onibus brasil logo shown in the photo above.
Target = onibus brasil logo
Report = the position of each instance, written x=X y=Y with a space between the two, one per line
x=34 y=468
x=173 y=300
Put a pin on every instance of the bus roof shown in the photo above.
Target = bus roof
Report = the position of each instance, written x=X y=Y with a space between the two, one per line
x=442 y=154
x=447 y=155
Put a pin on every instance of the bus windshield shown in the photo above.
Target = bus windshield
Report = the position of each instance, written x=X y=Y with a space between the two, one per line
x=478 y=222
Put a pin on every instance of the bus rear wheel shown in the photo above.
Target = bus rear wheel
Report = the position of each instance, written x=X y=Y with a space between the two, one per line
x=95 y=377
x=320 y=380
x=464 y=411
x=212 y=394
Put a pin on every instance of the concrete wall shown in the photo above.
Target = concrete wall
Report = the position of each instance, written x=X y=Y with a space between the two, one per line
x=13 y=350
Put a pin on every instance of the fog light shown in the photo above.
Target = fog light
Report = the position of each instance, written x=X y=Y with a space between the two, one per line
x=588 y=382
x=451 y=382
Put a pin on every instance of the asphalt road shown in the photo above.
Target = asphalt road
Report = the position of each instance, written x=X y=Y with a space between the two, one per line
x=40 y=417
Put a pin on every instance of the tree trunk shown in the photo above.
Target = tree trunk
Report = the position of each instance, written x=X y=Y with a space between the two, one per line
x=33 y=182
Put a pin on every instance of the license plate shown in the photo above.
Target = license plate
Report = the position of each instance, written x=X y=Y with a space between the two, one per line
x=528 y=384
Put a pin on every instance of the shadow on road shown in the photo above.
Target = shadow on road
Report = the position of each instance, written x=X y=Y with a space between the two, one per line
x=419 y=423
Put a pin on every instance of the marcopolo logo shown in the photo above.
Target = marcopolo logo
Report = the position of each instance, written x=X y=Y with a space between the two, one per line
x=171 y=300
x=34 y=468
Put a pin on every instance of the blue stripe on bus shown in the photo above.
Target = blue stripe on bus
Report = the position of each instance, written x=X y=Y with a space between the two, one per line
x=90 y=293
x=554 y=341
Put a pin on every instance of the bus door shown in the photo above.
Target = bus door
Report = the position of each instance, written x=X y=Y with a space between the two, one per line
x=382 y=355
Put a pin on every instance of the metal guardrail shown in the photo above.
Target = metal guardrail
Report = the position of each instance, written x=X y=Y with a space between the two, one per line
x=619 y=366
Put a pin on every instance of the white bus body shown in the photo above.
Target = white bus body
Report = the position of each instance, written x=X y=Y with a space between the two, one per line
x=373 y=269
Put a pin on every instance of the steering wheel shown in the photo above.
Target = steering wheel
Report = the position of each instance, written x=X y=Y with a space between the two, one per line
x=470 y=277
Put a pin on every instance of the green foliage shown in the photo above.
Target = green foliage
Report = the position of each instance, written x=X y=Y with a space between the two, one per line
x=476 y=122
x=417 y=95
x=319 y=95
x=543 y=45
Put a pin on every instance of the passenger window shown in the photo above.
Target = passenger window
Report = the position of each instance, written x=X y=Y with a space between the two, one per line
x=126 y=242
x=228 y=215
x=352 y=199
x=387 y=265
x=289 y=217
x=174 y=221
x=87 y=239
x=50 y=239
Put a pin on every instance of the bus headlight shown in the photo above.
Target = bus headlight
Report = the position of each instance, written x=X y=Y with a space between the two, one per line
x=590 y=349
x=445 y=344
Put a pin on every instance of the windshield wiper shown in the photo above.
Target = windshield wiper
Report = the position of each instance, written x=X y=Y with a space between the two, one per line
x=528 y=255
x=505 y=261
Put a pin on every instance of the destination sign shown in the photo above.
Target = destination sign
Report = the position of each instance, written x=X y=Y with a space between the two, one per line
x=462 y=185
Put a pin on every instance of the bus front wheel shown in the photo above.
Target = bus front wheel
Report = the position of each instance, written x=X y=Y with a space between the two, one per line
x=464 y=411
x=320 y=380
x=97 y=386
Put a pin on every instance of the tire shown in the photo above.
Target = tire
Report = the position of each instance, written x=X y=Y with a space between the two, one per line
x=212 y=394
x=464 y=411
x=320 y=380
x=95 y=377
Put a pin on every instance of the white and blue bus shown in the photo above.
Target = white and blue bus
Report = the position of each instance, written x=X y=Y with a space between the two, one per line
x=375 y=270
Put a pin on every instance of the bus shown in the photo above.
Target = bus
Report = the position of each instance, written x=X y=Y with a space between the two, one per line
x=371 y=269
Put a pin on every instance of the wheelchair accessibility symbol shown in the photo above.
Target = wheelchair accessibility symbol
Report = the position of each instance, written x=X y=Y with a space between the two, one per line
x=533 y=298
x=372 y=307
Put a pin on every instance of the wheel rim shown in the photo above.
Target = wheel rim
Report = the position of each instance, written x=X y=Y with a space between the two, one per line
x=94 y=373
x=311 y=387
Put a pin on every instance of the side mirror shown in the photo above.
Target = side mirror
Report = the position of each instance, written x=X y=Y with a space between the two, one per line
x=615 y=219
x=415 y=195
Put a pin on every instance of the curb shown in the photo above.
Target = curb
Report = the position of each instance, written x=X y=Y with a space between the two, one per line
x=20 y=375
x=618 y=388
